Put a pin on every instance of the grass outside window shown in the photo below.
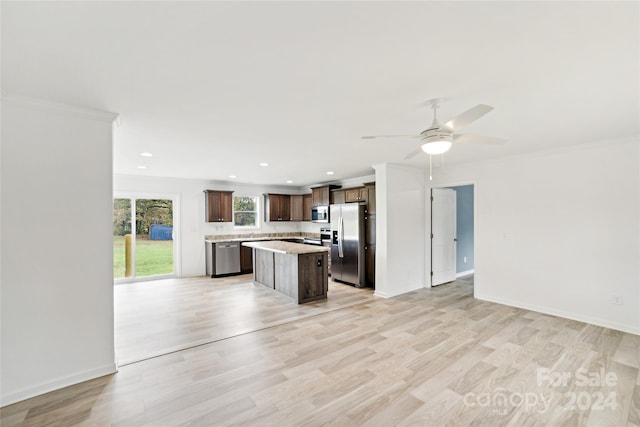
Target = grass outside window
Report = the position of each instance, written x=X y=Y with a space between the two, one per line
x=152 y=257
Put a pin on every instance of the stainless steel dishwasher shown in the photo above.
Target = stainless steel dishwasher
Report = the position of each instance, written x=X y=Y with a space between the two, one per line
x=227 y=258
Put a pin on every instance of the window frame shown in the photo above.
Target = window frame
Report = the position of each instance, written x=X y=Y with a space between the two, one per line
x=177 y=236
x=256 y=200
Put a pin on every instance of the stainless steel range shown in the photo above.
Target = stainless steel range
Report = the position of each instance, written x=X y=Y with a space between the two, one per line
x=325 y=239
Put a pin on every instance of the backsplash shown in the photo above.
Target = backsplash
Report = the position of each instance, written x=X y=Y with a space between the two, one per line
x=266 y=229
x=261 y=235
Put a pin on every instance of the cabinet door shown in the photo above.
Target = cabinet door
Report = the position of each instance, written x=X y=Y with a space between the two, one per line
x=213 y=206
x=370 y=229
x=219 y=206
x=371 y=198
x=273 y=207
x=356 y=195
x=246 y=259
x=307 y=201
x=285 y=208
x=226 y=206
x=297 y=207
x=338 y=196
x=370 y=265
x=352 y=195
x=279 y=207
x=320 y=196
x=312 y=276
x=364 y=194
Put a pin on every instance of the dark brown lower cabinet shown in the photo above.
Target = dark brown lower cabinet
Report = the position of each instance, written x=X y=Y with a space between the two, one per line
x=246 y=259
x=370 y=229
x=303 y=277
x=370 y=265
x=370 y=250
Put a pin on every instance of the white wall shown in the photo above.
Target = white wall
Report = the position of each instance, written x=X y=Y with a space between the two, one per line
x=556 y=232
x=193 y=228
x=400 y=232
x=56 y=277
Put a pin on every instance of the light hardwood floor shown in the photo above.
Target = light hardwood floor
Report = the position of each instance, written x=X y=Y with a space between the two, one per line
x=427 y=358
x=160 y=317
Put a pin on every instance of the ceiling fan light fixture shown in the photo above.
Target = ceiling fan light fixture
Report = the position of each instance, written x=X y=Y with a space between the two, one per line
x=438 y=146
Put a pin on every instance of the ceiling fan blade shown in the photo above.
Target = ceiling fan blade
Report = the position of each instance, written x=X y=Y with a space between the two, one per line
x=413 y=153
x=390 y=136
x=471 y=138
x=469 y=116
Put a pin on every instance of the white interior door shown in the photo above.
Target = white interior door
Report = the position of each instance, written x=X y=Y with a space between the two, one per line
x=443 y=235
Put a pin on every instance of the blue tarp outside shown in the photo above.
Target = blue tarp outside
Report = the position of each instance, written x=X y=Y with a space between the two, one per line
x=160 y=232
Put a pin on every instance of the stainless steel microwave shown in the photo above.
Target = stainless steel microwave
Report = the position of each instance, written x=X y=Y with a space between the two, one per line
x=320 y=214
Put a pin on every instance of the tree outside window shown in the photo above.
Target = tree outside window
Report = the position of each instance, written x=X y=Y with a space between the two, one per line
x=245 y=211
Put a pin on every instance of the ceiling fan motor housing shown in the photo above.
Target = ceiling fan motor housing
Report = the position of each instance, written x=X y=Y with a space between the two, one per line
x=437 y=134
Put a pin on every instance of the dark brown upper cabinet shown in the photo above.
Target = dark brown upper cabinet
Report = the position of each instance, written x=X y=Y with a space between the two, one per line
x=321 y=196
x=297 y=207
x=307 y=202
x=219 y=206
x=338 y=196
x=277 y=207
x=356 y=195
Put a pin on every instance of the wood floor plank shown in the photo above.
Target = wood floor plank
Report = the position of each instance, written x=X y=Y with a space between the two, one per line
x=237 y=354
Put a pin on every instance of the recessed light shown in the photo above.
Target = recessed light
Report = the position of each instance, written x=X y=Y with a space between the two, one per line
x=329 y=172
x=232 y=176
x=142 y=167
x=264 y=164
x=289 y=181
x=146 y=154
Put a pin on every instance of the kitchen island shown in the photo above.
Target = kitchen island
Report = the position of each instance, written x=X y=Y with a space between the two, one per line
x=293 y=269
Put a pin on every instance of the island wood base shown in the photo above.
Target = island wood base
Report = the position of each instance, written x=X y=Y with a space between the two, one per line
x=301 y=276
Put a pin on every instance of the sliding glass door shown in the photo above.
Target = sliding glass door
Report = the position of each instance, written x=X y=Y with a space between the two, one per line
x=143 y=238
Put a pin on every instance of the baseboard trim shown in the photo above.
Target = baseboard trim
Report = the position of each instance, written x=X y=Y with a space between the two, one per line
x=378 y=293
x=464 y=273
x=561 y=313
x=55 y=384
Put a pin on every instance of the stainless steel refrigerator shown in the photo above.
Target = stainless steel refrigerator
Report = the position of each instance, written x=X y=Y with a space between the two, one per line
x=347 y=243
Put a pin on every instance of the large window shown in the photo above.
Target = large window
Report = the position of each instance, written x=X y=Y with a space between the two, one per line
x=245 y=211
x=142 y=238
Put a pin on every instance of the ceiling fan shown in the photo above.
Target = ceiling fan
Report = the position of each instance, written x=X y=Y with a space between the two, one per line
x=437 y=139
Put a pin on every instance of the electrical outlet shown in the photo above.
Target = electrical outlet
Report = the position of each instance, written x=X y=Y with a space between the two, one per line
x=465 y=260
x=617 y=300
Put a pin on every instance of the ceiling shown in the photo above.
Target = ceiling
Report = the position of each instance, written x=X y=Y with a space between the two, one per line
x=212 y=89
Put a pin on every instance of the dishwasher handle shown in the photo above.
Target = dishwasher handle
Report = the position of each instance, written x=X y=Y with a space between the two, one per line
x=227 y=245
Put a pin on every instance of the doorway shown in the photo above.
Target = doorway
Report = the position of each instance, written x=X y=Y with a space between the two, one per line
x=452 y=233
x=443 y=236
x=143 y=238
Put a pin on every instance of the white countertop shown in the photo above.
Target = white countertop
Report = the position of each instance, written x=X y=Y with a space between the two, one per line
x=286 y=247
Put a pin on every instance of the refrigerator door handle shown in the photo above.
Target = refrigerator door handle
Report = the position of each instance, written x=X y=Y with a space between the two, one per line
x=340 y=237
